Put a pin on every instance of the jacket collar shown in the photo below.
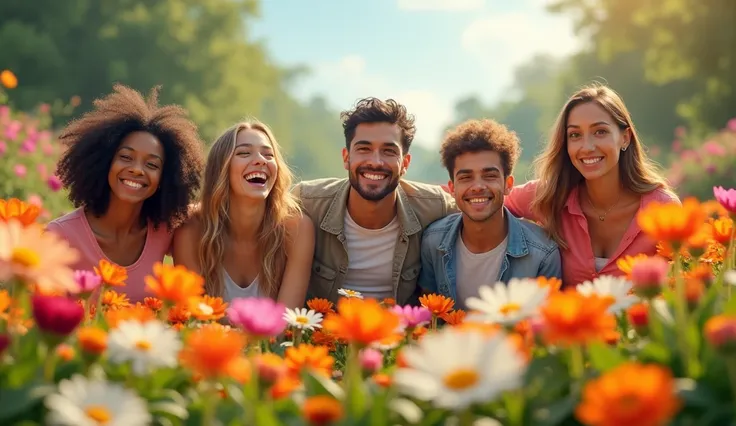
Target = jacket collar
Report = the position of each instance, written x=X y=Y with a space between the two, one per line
x=516 y=243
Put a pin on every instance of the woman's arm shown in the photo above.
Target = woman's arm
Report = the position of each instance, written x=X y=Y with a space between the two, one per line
x=519 y=200
x=299 y=253
x=185 y=245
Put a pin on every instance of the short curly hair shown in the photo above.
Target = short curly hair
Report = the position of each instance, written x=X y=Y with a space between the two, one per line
x=92 y=140
x=478 y=136
x=374 y=110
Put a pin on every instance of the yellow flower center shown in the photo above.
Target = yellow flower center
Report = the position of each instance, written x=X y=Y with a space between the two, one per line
x=509 y=308
x=351 y=293
x=99 y=413
x=461 y=379
x=302 y=320
x=205 y=309
x=143 y=345
x=25 y=257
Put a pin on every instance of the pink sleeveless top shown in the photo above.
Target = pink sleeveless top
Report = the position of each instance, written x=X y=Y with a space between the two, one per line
x=75 y=228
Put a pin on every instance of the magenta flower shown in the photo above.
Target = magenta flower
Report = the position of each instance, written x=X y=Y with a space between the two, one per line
x=12 y=130
x=731 y=125
x=4 y=342
x=54 y=183
x=20 y=170
x=727 y=197
x=370 y=359
x=88 y=281
x=648 y=275
x=4 y=111
x=28 y=146
x=260 y=317
x=413 y=316
x=57 y=316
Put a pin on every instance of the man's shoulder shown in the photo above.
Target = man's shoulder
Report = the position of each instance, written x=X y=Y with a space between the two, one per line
x=536 y=236
x=415 y=189
x=441 y=226
x=319 y=188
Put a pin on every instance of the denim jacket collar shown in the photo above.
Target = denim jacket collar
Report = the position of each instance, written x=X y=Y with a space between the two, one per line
x=516 y=246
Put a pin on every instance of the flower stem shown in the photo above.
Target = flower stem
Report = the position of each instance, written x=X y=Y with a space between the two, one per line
x=577 y=366
x=731 y=367
x=49 y=364
x=297 y=337
x=208 y=411
x=681 y=317
x=434 y=322
x=466 y=417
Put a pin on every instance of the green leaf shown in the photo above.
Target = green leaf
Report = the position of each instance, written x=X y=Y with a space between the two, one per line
x=169 y=407
x=656 y=352
x=729 y=308
x=16 y=401
x=554 y=413
x=316 y=384
x=604 y=357
x=265 y=417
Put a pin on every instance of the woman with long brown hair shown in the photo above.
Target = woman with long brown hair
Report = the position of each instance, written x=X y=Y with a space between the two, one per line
x=591 y=180
x=248 y=237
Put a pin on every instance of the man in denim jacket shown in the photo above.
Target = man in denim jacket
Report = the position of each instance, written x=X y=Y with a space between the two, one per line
x=484 y=243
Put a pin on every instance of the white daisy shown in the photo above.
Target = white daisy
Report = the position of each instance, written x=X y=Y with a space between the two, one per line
x=456 y=368
x=350 y=293
x=509 y=303
x=617 y=289
x=85 y=402
x=147 y=345
x=730 y=277
x=303 y=318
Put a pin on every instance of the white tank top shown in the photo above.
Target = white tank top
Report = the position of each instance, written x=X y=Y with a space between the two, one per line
x=234 y=291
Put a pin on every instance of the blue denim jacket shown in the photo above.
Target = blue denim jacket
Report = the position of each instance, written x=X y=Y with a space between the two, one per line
x=529 y=253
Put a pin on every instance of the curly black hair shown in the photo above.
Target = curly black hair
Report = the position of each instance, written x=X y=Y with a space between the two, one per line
x=478 y=136
x=93 y=139
x=374 y=110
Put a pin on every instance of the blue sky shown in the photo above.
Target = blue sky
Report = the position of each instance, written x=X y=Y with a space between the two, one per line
x=426 y=54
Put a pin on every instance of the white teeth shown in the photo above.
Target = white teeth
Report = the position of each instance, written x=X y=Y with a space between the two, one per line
x=591 y=160
x=132 y=184
x=372 y=176
x=254 y=175
x=478 y=200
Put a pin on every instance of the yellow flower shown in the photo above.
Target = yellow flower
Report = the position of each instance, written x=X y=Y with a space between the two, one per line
x=8 y=79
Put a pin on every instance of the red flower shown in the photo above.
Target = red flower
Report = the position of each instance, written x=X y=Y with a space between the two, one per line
x=57 y=315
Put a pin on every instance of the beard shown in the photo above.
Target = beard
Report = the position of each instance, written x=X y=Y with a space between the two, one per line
x=377 y=191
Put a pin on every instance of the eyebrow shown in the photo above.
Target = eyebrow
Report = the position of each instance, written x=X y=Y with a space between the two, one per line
x=597 y=123
x=389 y=143
x=131 y=149
x=485 y=170
x=250 y=145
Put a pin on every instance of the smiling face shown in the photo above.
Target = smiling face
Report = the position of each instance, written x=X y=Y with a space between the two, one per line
x=135 y=171
x=253 y=168
x=479 y=185
x=594 y=140
x=375 y=161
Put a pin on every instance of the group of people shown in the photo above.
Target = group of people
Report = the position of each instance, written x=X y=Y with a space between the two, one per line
x=137 y=176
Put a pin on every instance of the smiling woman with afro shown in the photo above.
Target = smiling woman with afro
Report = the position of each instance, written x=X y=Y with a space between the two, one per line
x=132 y=168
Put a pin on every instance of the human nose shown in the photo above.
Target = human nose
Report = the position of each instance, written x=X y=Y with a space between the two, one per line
x=375 y=158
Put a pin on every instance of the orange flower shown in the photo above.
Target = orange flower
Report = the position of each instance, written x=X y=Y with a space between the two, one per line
x=5 y=301
x=239 y=369
x=553 y=283
x=65 y=352
x=702 y=237
x=16 y=209
x=207 y=308
x=322 y=410
x=321 y=338
x=210 y=350
x=670 y=221
x=437 y=303
x=285 y=386
x=8 y=79
x=363 y=321
x=135 y=312
x=626 y=263
x=153 y=303
x=720 y=332
x=722 y=230
x=112 y=274
x=174 y=284
x=271 y=367
x=381 y=379
x=713 y=208
x=322 y=306
x=315 y=359
x=454 y=317
x=388 y=302
x=572 y=318
x=112 y=300
x=630 y=394
x=178 y=315
x=92 y=340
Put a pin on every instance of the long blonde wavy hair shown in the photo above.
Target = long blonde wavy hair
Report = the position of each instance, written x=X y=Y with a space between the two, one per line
x=558 y=176
x=215 y=209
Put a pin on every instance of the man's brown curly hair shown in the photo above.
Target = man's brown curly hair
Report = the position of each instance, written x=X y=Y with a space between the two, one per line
x=93 y=139
x=374 y=110
x=478 y=136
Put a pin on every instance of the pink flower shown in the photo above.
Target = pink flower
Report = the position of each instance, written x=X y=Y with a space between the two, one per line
x=711 y=168
x=28 y=146
x=12 y=130
x=88 y=281
x=19 y=170
x=680 y=131
x=731 y=125
x=35 y=199
x=56 y=315
x=54 y=183
x=727 y=198
x=413 y=316
x=47 y=149
x=260 y=317
x=714 y=148
x=648 y=275
x=3 y=147
x=4 y=111
x=370 y=359
x=677 y=146
x=41 y=168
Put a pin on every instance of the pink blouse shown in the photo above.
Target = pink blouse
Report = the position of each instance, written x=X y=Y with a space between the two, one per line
x=75 y=228
x=578 y=260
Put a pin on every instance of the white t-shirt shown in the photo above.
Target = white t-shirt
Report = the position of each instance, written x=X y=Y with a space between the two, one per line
x=474 y=270
x=370 y=258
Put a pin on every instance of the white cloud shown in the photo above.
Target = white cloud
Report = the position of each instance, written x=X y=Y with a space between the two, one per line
x=349 y=80
x=441 y=5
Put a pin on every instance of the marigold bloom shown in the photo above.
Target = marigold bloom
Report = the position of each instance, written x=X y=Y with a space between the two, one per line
x=572 y=318
x=626 y=263
x=631 y=394
x=437 y=303
x=670 y=221
x=14 y=208
x=321 y=338
x=112 y=274
x=153 y=303
x=285 y=386
x=135 y=312
x=112 y=300
x=8 y=79
x=454 y=317
x=388 y=302
x=207 y=308
x=179 y=315
x=722 y=230
x=65 y=352
x=315 y=359
x=553 y=283
x=702 y=237
x=362 y=321
x=720 y=331
x=92 y=340
x=174 y=283
x=322 y=410
x=210 y=350
x=323 y=306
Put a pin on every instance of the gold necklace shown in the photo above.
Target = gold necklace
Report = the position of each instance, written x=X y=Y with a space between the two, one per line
x=602 y=217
